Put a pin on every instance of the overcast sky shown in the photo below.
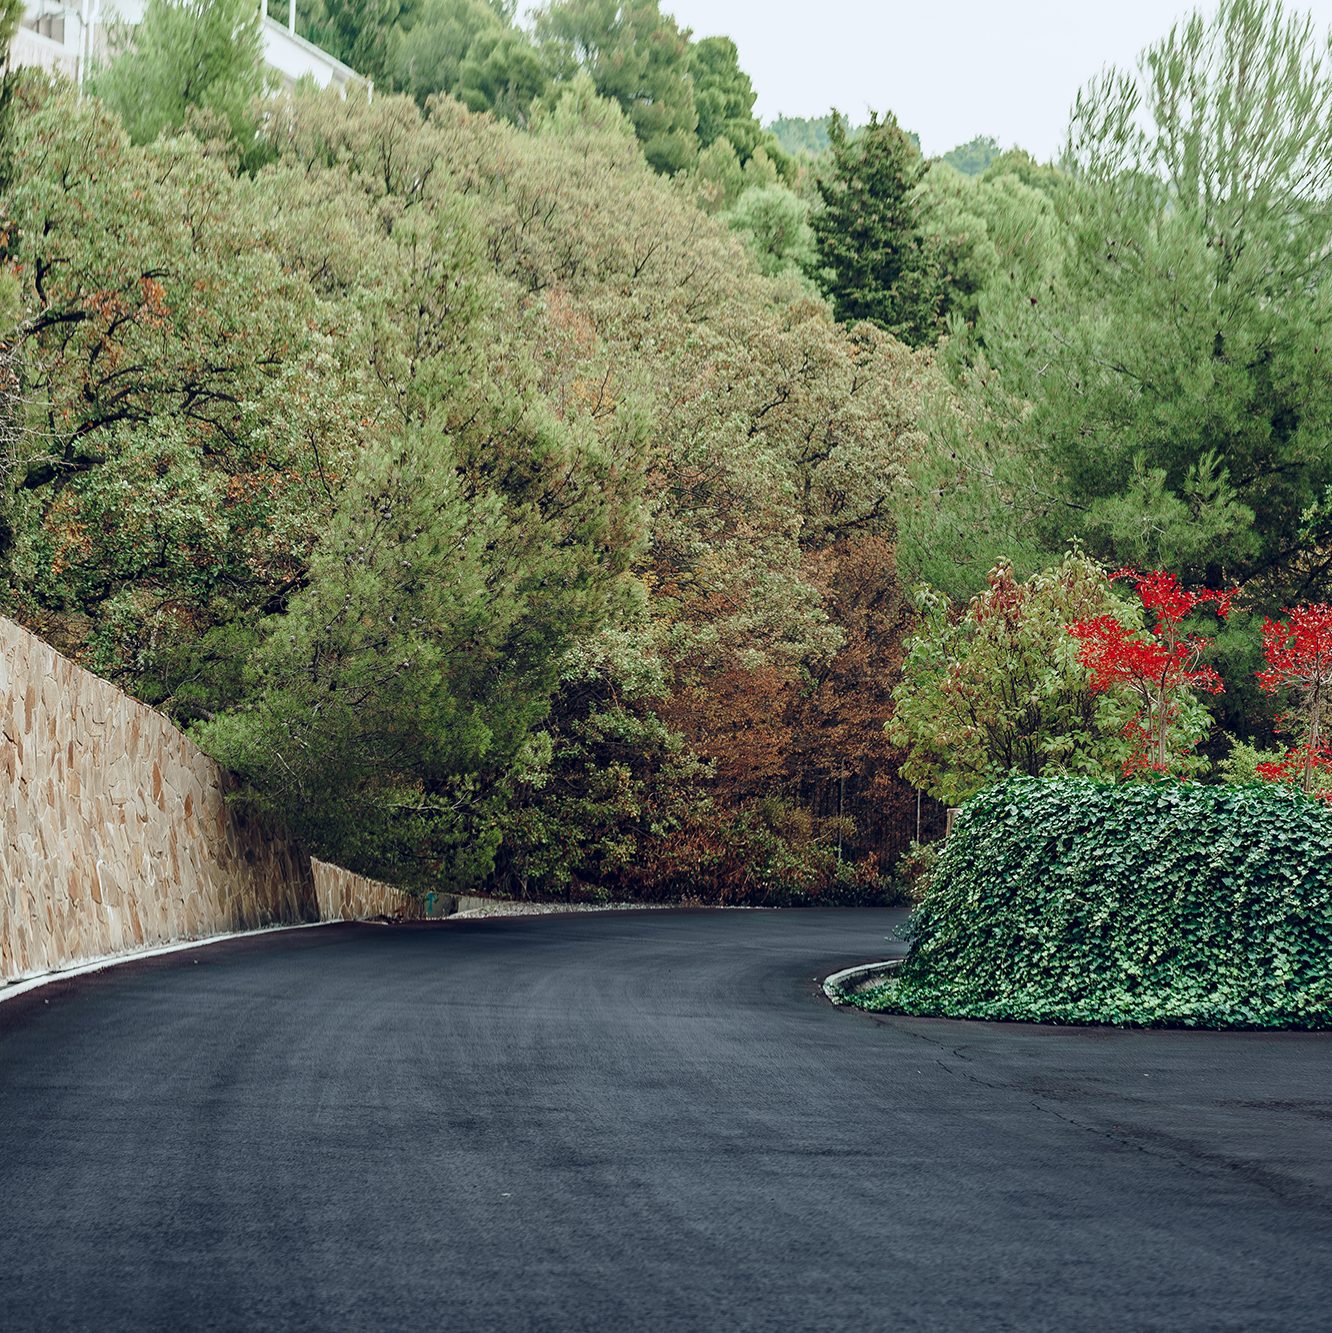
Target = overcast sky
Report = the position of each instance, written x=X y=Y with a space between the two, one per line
x=949 y=69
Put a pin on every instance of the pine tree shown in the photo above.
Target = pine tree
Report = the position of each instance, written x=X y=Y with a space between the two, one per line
x=359 y=32
x=187 y=55
x=1161 y=390
x=725 y=98
x=638 y=57
x=876 y=263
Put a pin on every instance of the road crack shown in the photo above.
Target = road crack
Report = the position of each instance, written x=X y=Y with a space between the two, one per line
x=1185 y=1154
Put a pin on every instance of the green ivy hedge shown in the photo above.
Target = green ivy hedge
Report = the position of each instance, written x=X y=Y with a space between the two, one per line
x=1073 y=901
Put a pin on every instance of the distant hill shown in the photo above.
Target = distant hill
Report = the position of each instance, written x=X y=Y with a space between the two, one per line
x=801 y=134
x=808 y=136
x=972 y=158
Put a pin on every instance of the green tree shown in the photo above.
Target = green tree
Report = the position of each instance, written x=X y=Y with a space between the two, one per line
x=773 y=222
x=411 y=669
x=1159 y=392
x=187 y=56
x=173 y=365
x=717 y=177
x=638 y=57
x=996 y=688
x=875 y=262
x=427 y=55
x=11 y=15
x=980 y=228
x=503 y=73
x=801 y=136
x=359 y=32
x=462 y=484
x=725 y=98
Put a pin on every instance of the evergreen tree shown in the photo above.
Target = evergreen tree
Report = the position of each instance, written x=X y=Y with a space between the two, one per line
x=801 y=136
x=1162 y=391
x=427 y=56
x=725 y=98
x=360 y=32
x=875 y=260
x=503 y=74
x=200 y=55
x=637 y=56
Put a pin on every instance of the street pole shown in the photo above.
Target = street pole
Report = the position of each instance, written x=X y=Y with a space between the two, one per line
x=84 y=15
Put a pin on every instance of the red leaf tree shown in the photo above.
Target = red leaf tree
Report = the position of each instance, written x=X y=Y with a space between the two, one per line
x=1298 y=653
x=1157 y=670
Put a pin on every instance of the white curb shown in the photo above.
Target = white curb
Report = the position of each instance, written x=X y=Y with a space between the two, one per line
x=16 y=988
x=835 y=986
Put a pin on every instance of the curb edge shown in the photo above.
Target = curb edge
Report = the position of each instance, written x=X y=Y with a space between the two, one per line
x=835 y=987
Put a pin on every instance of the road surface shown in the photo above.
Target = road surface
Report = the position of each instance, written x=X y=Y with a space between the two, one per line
x=635 y=1121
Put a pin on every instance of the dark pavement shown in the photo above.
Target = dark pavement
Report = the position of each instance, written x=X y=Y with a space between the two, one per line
x=628 y=1121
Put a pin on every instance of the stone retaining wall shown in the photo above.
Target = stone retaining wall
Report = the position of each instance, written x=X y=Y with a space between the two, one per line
x=115 y=833
x=343 y=895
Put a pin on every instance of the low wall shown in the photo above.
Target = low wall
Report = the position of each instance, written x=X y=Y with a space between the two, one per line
x=115 y=831
x=343 y=895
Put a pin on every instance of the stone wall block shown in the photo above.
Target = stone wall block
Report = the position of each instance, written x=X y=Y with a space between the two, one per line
x=114 y=828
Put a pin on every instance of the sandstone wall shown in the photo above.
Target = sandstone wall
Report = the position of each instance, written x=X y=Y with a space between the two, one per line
x=114 y=830
x=343 y=895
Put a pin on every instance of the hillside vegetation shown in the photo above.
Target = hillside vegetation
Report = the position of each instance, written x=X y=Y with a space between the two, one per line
x=467 y=488
x=525 y=477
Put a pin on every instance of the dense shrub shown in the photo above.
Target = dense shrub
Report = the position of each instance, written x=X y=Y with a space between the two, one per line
x=1069 y=900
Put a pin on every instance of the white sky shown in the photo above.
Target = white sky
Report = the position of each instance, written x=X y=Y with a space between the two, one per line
x=949 y=69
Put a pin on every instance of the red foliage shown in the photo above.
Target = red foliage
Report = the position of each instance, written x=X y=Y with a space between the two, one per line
x=1118 y=656
x=1162 y=594
x=1298 y=653
x=1299 y=765
x=1156 y=667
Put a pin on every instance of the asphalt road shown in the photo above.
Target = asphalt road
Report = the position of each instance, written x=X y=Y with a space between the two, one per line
x=631 y=1121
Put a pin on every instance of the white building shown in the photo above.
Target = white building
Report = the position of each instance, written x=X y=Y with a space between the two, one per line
x=70 y=36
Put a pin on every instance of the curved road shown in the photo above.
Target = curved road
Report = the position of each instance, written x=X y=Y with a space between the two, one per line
x=635 y=1120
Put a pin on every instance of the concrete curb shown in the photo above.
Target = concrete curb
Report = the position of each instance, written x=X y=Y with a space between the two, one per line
x=14 y=989
x=850 y=980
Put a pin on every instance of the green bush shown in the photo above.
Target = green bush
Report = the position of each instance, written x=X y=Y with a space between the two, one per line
x=1068 y=900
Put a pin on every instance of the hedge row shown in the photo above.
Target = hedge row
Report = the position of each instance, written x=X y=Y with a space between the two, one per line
x=1072 y=901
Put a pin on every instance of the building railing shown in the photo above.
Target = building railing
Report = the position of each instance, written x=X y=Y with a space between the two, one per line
x=36 y=50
